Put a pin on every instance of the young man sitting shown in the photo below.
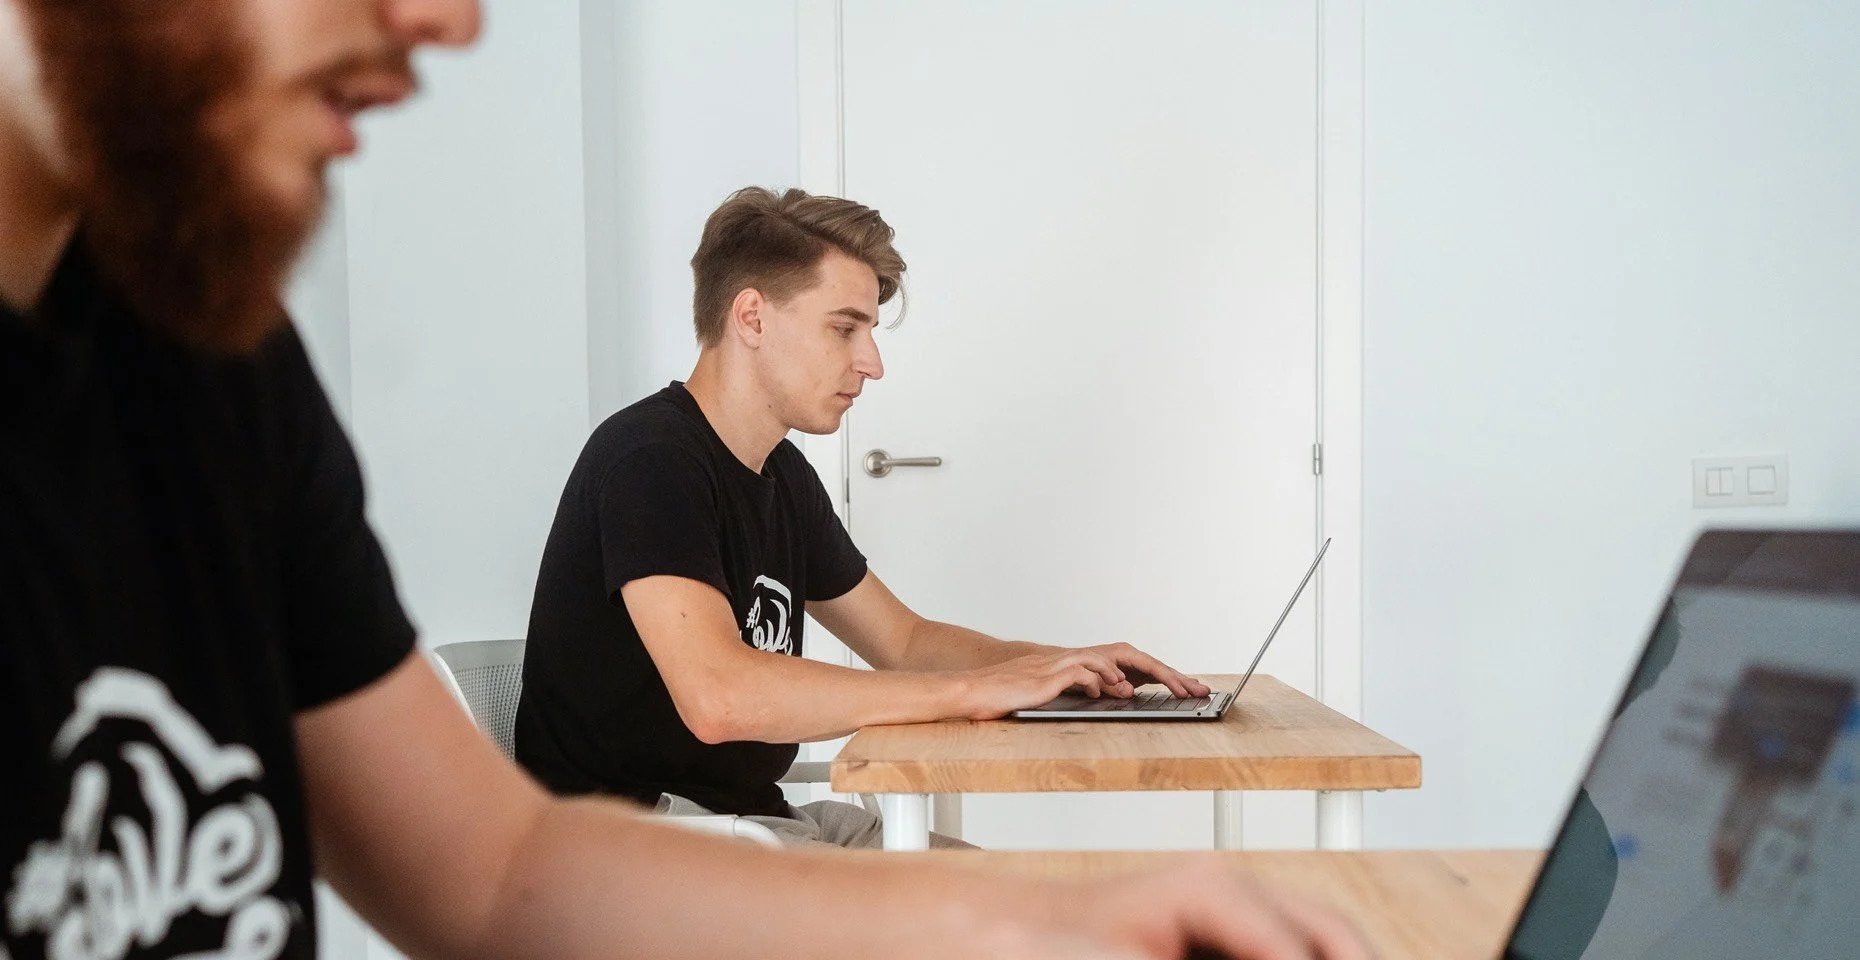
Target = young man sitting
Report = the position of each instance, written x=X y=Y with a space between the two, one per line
x=692 y=538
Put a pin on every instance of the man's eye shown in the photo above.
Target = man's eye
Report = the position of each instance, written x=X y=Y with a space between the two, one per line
x=844 y=332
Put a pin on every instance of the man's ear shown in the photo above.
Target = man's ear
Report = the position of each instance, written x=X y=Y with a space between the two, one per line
x=747 y=313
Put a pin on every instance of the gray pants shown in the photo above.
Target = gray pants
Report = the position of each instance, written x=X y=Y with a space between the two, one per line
x=821 y=823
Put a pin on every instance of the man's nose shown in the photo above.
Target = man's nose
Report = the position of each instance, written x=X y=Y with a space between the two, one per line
x=448 y=23
x=868 y=363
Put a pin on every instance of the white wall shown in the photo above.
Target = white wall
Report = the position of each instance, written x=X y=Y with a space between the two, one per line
x=468 y=318
x=1601 y=239
x=704 y=102
x=507 y=263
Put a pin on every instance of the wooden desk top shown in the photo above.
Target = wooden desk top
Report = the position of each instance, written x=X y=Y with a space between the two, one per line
x=1411 y=905
x=1274 y=738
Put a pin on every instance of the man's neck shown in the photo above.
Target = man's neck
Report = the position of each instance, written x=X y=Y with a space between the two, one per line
x=37 y=219
x=742 y=418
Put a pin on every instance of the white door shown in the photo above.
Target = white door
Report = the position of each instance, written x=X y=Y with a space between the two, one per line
x=1109 y=213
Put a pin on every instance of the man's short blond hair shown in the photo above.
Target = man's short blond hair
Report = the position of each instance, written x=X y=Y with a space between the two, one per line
x=773 y=243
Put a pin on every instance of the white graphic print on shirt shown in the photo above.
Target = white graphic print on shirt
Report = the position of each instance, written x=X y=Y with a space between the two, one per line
x=97 y=903
x=767 y=627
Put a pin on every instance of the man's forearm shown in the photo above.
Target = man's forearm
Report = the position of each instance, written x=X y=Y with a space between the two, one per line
x=782 y=699
x=594 y=881
x=944 y=646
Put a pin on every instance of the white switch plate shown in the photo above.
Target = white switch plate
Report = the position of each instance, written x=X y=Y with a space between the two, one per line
x=1725 y=481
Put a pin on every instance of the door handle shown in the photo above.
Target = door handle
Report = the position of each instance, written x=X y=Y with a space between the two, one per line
x=878 y=463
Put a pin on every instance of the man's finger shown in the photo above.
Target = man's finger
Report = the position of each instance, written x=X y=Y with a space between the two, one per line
x=1247 y=926
x=1100 y=664
x=1158 y=672
x=1194 y=687
x=1334 y=936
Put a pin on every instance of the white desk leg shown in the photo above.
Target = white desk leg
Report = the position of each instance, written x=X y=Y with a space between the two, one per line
x=907 y=820
x=1227 y=820
x=1340 y=819
x=946 y=815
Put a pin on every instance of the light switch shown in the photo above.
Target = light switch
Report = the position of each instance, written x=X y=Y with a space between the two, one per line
x=1740 y=481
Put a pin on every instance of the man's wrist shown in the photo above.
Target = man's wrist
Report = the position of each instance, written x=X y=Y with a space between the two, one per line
x=1027 y=648
x=1011 y=918
x=954 y=694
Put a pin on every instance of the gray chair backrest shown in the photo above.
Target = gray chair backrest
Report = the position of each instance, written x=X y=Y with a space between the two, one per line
x=488 y=676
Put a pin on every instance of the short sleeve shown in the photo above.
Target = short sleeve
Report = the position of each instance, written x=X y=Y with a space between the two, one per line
x=658 y=515
x=344 y=624
x=834 y=564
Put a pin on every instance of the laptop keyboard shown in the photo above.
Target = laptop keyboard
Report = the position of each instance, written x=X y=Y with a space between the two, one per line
x=1160 y=700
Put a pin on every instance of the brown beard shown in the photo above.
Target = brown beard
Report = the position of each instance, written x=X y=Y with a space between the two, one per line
x=173 y=221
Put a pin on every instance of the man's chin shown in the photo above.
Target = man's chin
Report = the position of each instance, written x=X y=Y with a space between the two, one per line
x=220 y=287
x=826 y=425
x=298 y=197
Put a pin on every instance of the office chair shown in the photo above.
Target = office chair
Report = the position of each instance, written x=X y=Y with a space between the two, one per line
x=486 y=676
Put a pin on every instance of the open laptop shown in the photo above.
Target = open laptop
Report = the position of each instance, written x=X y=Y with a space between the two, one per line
x=1152 y=705
x=1720 y=816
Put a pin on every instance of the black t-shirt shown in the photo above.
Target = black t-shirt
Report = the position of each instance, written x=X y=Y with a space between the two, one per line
x=183 y=566
x=656 y=492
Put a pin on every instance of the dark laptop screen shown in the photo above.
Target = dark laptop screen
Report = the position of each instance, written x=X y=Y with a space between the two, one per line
x=1718 y=817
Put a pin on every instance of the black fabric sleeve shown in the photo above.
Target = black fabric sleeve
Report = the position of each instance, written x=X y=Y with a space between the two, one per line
x=658 y=514
x=344 y=624
x=834 y=564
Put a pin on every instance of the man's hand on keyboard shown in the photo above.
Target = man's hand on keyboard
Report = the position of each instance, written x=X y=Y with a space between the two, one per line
x=1140 y=668
x=1000 y=689
x=1111 y=670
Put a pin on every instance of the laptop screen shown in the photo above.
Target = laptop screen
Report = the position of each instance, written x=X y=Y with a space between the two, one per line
x=1718 y=817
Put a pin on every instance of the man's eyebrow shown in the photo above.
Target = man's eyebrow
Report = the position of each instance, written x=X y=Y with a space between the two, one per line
x=856 y=314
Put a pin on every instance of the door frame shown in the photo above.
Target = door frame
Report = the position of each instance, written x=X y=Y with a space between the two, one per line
x=1337 y=433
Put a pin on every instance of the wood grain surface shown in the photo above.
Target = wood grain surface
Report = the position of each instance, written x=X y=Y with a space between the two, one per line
x=1274 y=738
